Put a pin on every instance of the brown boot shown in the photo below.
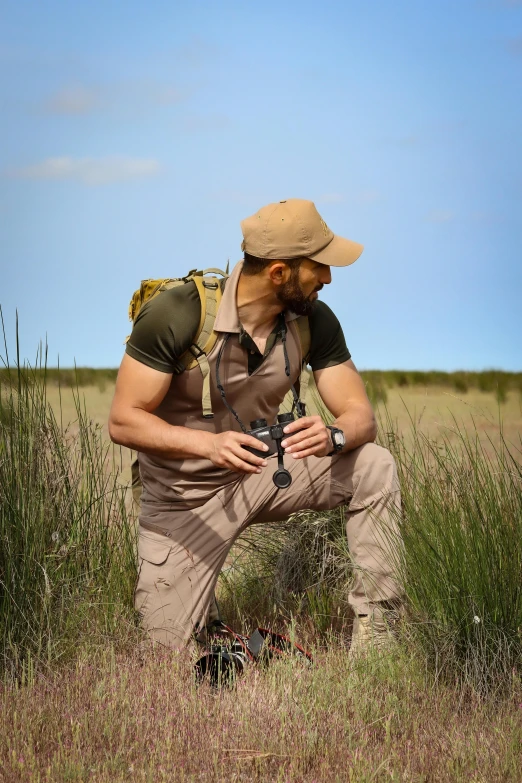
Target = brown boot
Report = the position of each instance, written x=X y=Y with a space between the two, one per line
x=375 y=631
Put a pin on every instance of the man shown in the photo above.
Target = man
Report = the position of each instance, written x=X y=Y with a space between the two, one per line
x=201 y=487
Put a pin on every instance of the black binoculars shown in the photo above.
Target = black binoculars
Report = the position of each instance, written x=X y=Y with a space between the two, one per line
x=272 y=435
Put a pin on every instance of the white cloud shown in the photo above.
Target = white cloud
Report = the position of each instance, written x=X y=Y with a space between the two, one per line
x=82 y=99
x=440 y=216
x=90 y=171
x=74 y=100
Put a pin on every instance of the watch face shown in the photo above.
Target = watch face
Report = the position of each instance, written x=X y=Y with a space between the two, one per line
x=338 y=439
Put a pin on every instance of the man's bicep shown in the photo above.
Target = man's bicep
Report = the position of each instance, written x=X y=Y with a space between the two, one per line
x=328 y=347
x=139 y=386
x=165 y=328
x=340 y=387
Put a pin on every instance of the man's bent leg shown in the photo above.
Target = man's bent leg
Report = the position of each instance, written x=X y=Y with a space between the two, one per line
x=145 y=574
x=181 y=559
x=372 y=527
x=365 y=480
x=180 y=556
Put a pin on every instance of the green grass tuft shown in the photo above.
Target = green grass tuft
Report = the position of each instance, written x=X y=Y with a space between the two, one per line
x=67 y=561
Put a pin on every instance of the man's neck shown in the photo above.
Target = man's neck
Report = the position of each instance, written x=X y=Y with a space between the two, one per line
x=257 y=305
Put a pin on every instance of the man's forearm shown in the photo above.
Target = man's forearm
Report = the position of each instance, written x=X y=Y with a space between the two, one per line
x=143 y=431
x=359 y=427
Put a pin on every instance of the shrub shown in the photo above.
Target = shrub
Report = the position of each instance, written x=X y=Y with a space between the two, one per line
x=300 y=567
x=460 y=382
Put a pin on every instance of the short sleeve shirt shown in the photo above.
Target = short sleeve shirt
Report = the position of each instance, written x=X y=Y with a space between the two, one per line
x=166 y=327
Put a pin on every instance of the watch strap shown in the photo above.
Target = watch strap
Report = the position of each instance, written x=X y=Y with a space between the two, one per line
x=337 y=448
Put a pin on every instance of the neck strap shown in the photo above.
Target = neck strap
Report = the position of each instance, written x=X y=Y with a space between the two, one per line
x=298 y=406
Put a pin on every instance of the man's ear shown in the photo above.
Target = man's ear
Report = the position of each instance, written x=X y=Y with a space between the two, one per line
x=279 y=272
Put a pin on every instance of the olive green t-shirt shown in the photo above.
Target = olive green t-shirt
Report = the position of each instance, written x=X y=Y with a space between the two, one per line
x=167 y=325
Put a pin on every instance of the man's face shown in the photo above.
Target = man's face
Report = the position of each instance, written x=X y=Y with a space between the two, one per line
x=300 y=292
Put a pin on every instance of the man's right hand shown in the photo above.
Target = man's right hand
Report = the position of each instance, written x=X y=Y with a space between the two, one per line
x=226 y=451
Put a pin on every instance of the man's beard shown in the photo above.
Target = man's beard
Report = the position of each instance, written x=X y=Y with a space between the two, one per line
x=293 y=298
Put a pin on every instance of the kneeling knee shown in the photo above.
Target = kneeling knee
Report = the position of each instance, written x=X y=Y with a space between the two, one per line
x=377 y=468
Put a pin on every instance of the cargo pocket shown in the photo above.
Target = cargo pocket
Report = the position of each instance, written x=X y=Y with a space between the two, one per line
x=153 y=573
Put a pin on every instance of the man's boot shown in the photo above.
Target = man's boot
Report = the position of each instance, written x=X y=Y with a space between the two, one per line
x=375 y=631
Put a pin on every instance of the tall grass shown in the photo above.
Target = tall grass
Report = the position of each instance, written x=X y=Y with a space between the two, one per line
x=67 y=560
x=461 y=566
x=67 y=546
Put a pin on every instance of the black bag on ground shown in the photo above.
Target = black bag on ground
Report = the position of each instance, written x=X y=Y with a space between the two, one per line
x=230 y=653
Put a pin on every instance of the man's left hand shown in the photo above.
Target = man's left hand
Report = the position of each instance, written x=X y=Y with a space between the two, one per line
x=307 y=437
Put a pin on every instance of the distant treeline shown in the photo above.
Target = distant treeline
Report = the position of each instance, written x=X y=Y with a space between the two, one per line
x=497 y=382
x=66 y=377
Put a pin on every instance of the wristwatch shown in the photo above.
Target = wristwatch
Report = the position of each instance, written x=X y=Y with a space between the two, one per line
x=338 y=440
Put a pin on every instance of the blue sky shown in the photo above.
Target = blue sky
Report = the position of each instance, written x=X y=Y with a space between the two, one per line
x=136 y=136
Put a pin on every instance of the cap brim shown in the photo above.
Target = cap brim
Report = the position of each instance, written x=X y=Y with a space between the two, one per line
x=338 y=252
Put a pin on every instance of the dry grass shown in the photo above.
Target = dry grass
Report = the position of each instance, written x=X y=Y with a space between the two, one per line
x=97 y=404
x=434 y=410
x=430 y=408
x=120 y=717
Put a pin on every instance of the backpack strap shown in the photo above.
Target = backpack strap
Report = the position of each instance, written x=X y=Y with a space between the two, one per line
x=209 y=290
x=215 y=271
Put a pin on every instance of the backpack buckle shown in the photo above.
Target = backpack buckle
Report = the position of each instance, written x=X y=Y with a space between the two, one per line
x=208 y=284
x=193 y=348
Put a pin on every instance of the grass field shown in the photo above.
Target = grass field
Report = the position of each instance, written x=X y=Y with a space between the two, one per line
x=114 y=717
x=432 y=410
x=84 y=698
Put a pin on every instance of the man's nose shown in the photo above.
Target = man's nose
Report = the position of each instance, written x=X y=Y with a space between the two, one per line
x=326 y=275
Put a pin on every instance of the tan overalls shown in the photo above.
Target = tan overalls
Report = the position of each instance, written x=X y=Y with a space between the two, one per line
x=192 y=511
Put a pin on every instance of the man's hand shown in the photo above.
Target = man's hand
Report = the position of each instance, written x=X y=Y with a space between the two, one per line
x=312 y=440
x=226 y=451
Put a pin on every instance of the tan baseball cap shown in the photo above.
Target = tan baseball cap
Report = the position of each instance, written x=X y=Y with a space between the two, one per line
x=295 y=229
